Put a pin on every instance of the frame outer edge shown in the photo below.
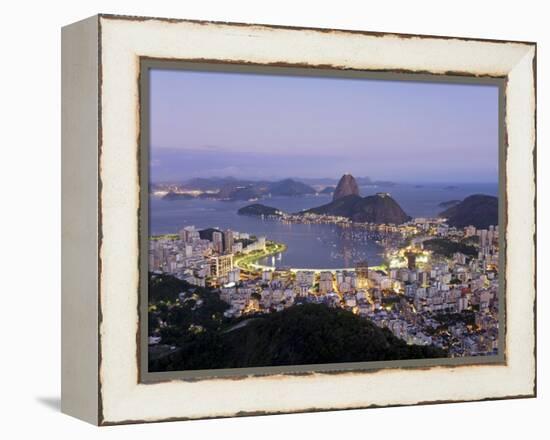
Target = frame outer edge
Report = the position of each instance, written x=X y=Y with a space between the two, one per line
x=79 y=213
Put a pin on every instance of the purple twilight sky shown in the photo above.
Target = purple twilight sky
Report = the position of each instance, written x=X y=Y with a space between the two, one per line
x=206 y=124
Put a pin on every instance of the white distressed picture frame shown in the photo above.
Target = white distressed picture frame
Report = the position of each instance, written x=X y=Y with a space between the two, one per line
x=101 y=201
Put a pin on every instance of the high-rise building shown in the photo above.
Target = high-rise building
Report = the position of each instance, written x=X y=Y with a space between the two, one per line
x=267 y=275
x=490 y=235
x=188 y=234
x=221 y=265
x=362 y=274
x=153 y=261
x=305 y=277
x=217 y=241
x=188 y=251
x=325 y=282
x=234 y=275
x=228 y=241
x=411 y=260
x=482 y=237
x=261 y=242
x=423 y=278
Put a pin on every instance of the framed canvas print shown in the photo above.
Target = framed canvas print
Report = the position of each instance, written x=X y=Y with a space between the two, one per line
x=262 y=219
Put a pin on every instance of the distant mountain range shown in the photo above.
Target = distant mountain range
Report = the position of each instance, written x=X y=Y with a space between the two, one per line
x=290 y=187
x=177 y=196
x=379 y=208
x=231 y=188
x=330 y=181
x=257 y=190
x=212 y=183
x=478 y=210
x=327 y=190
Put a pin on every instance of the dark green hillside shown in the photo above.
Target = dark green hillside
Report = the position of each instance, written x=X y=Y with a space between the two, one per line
x=304 y=334
x=343 y=207
x=379 y=208
x=257 y=209
x=181 y=316
x=447 y=248
x=478 y=210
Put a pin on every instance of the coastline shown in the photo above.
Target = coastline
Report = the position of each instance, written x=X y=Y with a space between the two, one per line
x=247 y=261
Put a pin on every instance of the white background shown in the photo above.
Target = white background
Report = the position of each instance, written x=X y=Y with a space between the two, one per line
x=30 y=215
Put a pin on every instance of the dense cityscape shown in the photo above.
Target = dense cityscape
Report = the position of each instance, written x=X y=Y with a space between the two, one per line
x=438 y=284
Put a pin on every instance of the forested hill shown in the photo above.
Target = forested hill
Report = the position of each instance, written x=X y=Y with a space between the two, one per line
x=301 y=334
x=378 y=208
x=478 y=210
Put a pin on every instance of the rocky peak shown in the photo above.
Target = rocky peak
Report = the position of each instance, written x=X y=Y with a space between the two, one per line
x=347 y=186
